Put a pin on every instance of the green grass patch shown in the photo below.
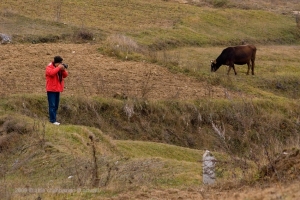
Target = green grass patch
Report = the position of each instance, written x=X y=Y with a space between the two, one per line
x=137 y=149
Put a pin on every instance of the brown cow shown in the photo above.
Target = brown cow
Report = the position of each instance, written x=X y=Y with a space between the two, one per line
x=239 y=55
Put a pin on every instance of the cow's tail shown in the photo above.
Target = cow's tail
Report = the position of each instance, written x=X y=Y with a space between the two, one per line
x=253 y=59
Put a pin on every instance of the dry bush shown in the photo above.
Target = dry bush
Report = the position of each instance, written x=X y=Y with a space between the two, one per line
x=7 y=140
x=83 y=35
x=285 y=166
x=35 y=39
x=129 y=109
x=172 y=58
x=219 y=3
x=147 y=87
x=13 y=131
x=122 y=47
x=9 y=125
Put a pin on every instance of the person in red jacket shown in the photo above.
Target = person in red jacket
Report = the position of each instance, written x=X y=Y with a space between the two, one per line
x=55 y=74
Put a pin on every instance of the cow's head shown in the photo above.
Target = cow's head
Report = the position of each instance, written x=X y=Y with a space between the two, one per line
x=214 y=66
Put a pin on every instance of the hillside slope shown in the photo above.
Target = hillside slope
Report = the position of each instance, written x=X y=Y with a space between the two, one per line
x=141 y=105
x=76 y=162
x=156 y=24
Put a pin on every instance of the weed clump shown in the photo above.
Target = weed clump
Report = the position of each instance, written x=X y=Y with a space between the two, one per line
x=122 y=47
x=11 y=130
x=283 y=167
x=83 y=35
x=35 y=39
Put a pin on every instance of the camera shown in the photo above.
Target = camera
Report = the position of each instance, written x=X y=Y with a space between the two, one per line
x=65 y=65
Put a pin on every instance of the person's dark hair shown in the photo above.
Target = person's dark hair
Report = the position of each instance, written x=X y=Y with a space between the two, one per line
x=57 y=59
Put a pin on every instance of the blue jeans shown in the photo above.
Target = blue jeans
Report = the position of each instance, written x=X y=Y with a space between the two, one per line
x=53 y=102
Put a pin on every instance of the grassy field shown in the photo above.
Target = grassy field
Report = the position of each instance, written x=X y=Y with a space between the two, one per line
x=103 y=150
x=156 y=24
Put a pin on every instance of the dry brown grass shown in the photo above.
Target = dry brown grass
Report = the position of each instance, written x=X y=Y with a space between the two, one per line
x=181 y=103
x=270 y=5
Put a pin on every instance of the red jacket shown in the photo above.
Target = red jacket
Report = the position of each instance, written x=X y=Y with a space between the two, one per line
x=52 y=78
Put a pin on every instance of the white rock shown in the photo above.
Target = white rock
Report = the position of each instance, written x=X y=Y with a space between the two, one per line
x=209 y=162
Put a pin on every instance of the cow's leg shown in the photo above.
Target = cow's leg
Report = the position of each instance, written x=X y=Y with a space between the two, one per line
x=229 y=68
x=252 y=65
x=248 y=63
x=234 y=69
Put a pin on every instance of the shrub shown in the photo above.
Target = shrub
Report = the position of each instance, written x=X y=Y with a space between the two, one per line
x=218 y=3
x=83 y=35
x=34 y=39
x=122 y=47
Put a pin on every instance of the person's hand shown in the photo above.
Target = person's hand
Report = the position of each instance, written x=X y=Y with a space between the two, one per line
x=61 y=67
